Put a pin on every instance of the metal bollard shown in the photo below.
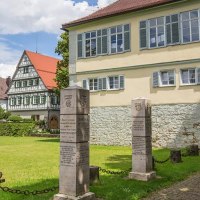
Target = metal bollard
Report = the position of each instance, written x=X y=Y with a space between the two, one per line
x=1 y=179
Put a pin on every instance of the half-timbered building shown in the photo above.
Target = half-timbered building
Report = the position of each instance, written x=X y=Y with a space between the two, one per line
x=31 y=94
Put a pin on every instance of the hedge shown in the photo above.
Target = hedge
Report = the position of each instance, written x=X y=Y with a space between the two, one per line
x=16 y=128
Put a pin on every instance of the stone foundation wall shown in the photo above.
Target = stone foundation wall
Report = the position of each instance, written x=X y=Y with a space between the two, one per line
x=172 y=125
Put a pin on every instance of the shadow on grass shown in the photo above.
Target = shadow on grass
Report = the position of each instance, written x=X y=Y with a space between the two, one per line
x=119 y=162
x=49 y=140
x=45 y=184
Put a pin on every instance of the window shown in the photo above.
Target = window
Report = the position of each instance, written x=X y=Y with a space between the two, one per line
x=30 y=82
x=100 y=42
x=13 y=101
x=157 y=32
x=190 y=26
x=26 y=100
x=143 y=34
x=17 y=84
x=105 y=83
x=116 y=82
x=163 y=78
x=172 y=29
x=167 y=78
x=120 y=38
x=54 y=100
x=188 y=76
x=42 y=99
x=18 y=101
x=90 y=44
x=93 y=84
x=35 y=100
x=80 y=45
x=35 y=82
x=26 y=70
x=24 y=83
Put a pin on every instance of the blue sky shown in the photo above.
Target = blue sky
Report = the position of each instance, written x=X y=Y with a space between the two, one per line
x=27 y=25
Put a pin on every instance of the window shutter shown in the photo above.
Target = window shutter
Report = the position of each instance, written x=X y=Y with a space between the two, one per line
x=104 y=83
x=80 y=45
x=100 y=82
x=99 y=45
x=85 y=84
x=156 y=79
x=143 y=34
x=198 y=75
x=126 y=37
x=104 y=41
x=121 y=82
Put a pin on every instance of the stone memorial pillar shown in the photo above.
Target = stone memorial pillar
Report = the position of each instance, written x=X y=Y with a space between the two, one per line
x=141 y=141
x=74 y=145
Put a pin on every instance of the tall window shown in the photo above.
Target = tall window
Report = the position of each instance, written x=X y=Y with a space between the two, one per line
x=102 y=41
x=26 y=100
x=35 y=99
x=190 y=26
x=24 y=83
x=12 y=101
x=80 y=45
x=26 y=70
x=172 y=29
x=18 y=101
x=157 y=32
x=188 y=76
x=90 y=44
x=17 y=84
x=42 y=99
x=143 y=34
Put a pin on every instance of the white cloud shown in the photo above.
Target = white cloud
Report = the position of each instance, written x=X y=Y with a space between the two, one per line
x=24 y=16
x=8 y=60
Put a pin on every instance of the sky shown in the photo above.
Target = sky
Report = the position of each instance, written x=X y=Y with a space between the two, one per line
x=35 y=25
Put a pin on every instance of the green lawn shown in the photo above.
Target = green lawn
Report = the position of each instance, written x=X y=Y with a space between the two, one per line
x=32 y=163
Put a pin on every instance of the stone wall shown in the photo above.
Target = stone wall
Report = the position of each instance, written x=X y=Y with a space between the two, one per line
x=172 y=125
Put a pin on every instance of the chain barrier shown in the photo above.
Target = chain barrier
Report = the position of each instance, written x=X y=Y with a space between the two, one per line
x=107 y=171
x=161 y=161
x=27 y=192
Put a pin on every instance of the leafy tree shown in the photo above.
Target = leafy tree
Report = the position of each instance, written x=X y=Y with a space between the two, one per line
x=4 y=114
x=62 y=73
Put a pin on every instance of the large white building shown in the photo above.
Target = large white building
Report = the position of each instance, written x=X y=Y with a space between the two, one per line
x=31 y=94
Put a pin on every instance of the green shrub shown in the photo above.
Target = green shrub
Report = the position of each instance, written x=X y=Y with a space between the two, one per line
x=27 y=120
x=15 y=118
x=4 y=114
x=16 y=128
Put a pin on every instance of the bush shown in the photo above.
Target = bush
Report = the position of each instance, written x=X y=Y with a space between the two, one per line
x=16 y=128
x=4 y=114
x=15 y=118
x=28 y=120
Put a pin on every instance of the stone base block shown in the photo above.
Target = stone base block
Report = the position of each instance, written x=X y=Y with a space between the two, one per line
x=87 y=196
x=142 y=176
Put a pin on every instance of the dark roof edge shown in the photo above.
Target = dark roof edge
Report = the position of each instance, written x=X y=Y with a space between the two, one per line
x=72 y=24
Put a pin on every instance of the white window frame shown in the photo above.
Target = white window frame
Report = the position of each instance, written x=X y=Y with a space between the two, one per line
x=27 y=100
x=93 y=89
x=42 y=99
x=181 y=79
x=35 y=100
x=18 y=101
x=156 y=26
x=12 y=101
x=90 y=39
x=17 y=84
x=161 y=81
x=181 y=23
x=115 y=88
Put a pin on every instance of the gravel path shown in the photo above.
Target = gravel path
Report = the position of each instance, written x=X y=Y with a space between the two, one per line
x=185 y=190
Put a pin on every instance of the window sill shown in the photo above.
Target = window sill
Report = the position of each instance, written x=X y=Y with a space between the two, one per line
x=193 y=84
x=163 y=86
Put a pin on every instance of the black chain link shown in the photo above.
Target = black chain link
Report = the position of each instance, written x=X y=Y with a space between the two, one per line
x=27 y=192
x=161 y=161
x=107 y=171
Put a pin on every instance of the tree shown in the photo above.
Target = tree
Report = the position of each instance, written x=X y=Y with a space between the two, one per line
x=4 y=114
x=62 y=73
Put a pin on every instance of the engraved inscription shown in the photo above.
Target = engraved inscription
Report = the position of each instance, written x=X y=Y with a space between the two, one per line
x=139 y=125
x=68 y=155
x=142 y=145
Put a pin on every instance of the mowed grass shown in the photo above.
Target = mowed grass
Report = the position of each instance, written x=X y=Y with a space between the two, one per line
x=33 y=164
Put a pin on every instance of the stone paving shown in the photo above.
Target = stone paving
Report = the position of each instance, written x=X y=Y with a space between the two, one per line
x=185 y=190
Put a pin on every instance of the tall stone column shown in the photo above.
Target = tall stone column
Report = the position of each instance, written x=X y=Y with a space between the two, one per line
x=141 y=141
x=74 y=145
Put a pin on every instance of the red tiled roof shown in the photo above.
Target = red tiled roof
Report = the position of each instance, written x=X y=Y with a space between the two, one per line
x=119 y=7
x=3 y=88
x=45 y=67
